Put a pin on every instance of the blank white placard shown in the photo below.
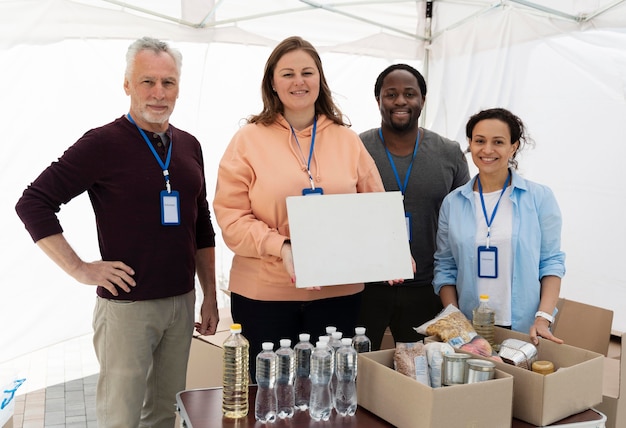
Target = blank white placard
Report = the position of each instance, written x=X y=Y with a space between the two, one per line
x=348 y=238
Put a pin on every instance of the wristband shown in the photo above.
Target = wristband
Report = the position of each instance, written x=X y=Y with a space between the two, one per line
x=545 y=315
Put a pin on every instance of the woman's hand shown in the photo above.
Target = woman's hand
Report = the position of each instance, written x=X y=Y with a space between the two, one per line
x=541 y=328
x=400 y=281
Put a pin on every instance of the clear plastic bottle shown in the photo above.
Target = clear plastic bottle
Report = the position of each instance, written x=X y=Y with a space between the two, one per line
x=360 y=341
x=236 y=351
x=483 y=319
x=285 y=373
x=345 y=399
x=335 y=344
x=302 y=383
x=265 y=403
x=321 y=405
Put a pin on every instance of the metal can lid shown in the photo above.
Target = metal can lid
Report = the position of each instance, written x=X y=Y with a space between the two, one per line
x=480 y=365
x=456 y=357
x=543 y=367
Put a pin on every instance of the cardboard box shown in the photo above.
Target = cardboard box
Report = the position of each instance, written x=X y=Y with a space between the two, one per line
x=614 y=390
x=583 y=326
x=404 y=402
x=204 y=369
x=575 y=386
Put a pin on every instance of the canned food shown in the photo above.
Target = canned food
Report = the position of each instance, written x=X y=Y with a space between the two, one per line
x=519 y=353
x=543 y=367
x=479 y=370
x=453 y=369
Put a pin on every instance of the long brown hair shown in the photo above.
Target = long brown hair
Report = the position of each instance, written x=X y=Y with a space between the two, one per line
x=272 y=105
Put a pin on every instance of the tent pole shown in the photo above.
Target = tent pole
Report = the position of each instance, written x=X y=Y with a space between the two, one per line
x=427 y=42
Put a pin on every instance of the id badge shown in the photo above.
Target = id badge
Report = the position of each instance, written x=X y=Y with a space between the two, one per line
x=170 y=208
x=409 y=231
x=308 y=191
x=487 y=262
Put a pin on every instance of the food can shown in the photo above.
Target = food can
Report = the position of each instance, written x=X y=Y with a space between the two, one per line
x=453 y=369
x=518 y=353
x=543 y=367
x=479 y=370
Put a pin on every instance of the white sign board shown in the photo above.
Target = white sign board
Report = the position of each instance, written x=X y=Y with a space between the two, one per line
x=348 y=238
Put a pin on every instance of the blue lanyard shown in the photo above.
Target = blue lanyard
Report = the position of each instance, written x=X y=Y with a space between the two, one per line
x=489 y=221
x=393 y=165
x=308 y=164
x=164 y=166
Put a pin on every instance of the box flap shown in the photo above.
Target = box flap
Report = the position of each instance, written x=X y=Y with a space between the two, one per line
x=583 y=326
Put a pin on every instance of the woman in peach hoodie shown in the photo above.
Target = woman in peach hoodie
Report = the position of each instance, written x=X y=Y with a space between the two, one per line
x=299 y=141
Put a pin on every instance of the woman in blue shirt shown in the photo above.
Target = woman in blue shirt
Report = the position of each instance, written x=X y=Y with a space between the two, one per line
x=500 y=234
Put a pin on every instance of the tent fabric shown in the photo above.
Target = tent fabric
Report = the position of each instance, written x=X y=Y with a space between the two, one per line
x=562 y=71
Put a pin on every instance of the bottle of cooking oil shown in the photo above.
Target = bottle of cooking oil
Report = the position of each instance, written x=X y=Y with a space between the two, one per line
x=235 y=378
x=484 y=318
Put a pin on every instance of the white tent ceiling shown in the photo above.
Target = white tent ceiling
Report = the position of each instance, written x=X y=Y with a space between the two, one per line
x=559 y=64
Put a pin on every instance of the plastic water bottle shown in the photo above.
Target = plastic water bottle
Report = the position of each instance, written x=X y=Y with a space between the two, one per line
x=484 y=319
x=265 y=403
x=345 y=400
x=235 y=379
x=335 y=344
x=330 y=330
x=285 y=372
x=360 y=341
x=302 y=383
x=321 y=404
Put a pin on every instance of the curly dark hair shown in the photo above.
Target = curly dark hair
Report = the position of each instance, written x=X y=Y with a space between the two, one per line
x=517 y=128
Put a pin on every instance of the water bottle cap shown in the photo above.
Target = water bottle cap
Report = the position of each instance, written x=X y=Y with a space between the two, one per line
x=359 y=330
x=304 y=337
x=337 y=335
x=324 y=339
x=285 y=343
x=330 y=329
x=321 y=345
x=235 y=328
x=346 y=341
x=484 y=297
x=267 y=346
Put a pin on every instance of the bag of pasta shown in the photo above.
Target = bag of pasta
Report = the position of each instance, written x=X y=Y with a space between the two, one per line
x=449 y=326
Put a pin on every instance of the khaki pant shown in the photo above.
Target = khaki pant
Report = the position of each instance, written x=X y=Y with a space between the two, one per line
x=143 y=349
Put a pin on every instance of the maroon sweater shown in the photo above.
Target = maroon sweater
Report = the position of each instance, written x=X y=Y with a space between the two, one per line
x=123 y=180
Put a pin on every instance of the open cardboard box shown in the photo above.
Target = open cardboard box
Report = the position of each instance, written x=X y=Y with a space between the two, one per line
x=614 y=389
x=575 y=386
x=583 y=326
x=589 y=327
x=405 y=402
x=204 y=369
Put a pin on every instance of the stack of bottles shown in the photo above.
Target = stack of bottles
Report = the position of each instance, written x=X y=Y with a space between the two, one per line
x=318 y=379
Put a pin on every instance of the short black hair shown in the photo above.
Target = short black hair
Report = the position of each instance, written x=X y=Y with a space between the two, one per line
x=420 y=79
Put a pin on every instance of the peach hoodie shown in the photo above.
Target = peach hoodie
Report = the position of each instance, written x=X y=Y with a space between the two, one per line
x=263 y=165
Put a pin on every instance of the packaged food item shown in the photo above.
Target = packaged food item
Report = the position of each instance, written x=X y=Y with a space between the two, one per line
x=410 y=360
x=480 y=346
x=479 y=370
x=543 y=367
x=454 y=369
x=434 y=355
x=450 y=326
x=518 y=353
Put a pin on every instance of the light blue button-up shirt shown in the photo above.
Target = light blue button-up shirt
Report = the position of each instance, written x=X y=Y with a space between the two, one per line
x=536 y=247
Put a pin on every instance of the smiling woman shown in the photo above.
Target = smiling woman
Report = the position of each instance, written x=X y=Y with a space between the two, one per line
x=298 y=144
x=500 y=234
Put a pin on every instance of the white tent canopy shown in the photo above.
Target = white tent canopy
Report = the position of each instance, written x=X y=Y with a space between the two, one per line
x=560 y=65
